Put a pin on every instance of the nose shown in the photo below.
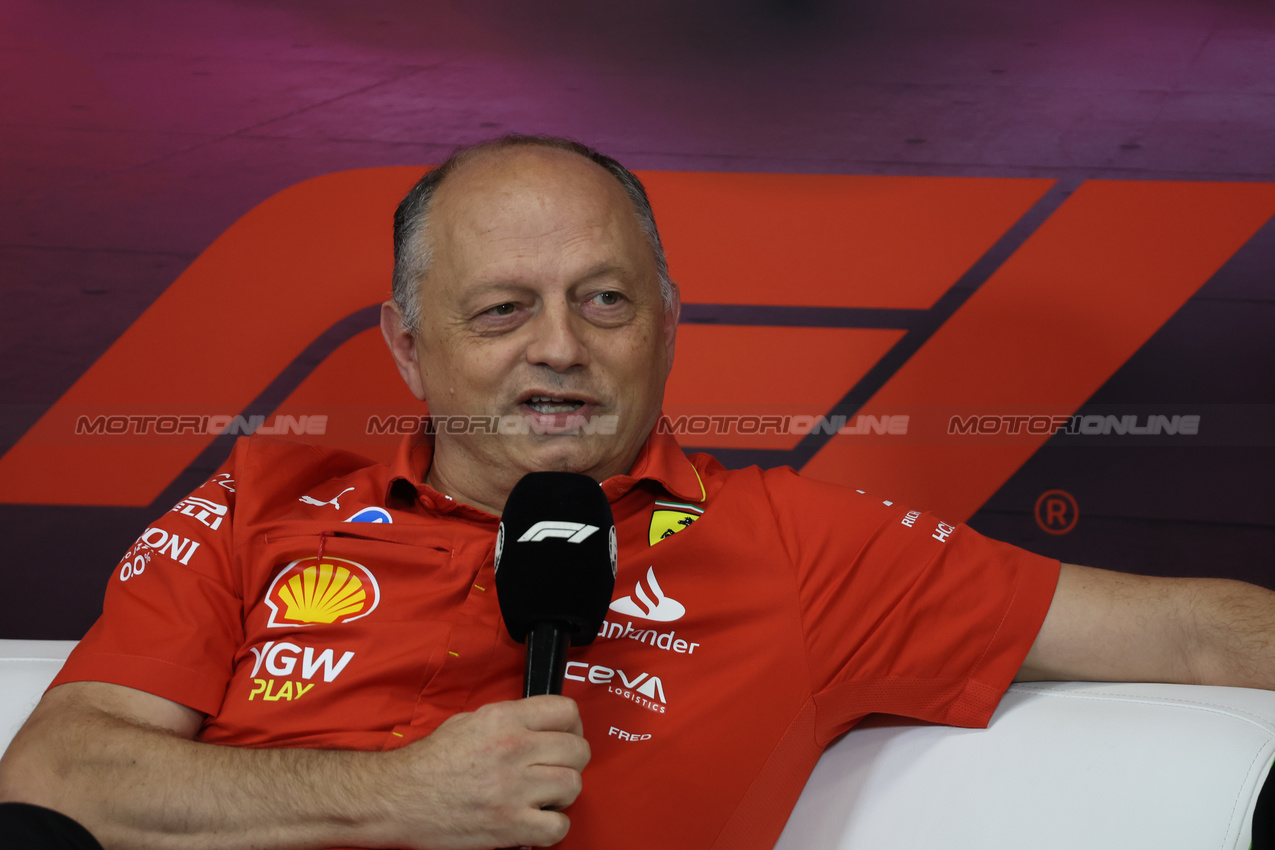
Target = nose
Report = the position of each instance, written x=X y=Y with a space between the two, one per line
x=556 y=339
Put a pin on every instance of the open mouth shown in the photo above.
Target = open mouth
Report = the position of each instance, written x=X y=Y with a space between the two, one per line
x=549 y=405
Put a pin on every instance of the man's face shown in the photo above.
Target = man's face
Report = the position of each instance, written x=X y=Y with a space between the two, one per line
x=543 y=303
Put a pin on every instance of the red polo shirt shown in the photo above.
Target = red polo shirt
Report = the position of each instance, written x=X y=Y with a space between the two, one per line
x=305 y=597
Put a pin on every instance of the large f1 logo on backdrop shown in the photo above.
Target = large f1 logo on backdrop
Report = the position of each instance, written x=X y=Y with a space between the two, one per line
x=833 y=295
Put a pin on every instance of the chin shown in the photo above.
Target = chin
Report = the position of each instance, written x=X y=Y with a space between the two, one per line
x=566 y=458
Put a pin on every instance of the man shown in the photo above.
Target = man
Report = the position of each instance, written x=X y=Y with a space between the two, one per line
x=305 y=677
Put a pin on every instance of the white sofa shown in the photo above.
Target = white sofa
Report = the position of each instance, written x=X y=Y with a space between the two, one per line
x=1062 y=765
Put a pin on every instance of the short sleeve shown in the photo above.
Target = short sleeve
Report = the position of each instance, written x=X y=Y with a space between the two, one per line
x=172 y=618
x=902 y=612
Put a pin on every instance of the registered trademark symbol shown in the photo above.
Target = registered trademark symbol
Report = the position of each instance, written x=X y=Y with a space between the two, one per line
x=1056 y=512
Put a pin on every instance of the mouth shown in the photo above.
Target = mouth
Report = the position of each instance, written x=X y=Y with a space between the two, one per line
x=549 y=405
x=557 y=412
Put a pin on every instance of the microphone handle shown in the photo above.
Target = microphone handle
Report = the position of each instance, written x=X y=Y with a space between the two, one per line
x=546 y=659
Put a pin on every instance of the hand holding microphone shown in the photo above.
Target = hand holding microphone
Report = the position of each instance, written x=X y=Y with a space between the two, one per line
x=499 y=776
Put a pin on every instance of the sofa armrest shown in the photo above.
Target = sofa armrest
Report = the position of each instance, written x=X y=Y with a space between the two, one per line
x=1062 y=765
x=26 y=669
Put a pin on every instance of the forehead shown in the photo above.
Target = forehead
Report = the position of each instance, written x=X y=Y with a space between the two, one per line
x=524 y=202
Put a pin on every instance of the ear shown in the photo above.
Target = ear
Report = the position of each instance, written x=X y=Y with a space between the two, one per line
x=402 y=343
x=671 y=317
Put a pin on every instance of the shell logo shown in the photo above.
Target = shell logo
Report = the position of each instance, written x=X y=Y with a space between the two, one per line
x=308 y=592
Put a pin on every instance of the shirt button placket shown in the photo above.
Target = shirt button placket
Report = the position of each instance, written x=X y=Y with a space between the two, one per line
x=474 y=630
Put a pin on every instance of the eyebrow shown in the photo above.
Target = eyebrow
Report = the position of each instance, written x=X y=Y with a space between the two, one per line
x=602 y=270
x=598 y=270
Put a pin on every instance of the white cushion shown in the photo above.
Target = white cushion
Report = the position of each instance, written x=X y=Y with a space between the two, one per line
x=1062 y=765
x=26 y=669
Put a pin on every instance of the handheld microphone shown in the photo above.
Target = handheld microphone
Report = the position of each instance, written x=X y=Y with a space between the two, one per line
x=555 y=570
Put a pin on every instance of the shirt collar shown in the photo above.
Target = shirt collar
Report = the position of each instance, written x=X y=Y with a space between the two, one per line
x=407 y=476
x=661 y=460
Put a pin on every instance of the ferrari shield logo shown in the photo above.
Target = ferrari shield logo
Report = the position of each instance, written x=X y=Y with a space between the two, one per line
x=671 y=517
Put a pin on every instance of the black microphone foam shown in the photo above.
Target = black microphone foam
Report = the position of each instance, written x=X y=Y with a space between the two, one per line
x=556 y=555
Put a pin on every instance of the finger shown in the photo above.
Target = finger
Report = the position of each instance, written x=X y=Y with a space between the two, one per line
x=559 y=749
x=551 y=713
x=554 y=787
x=541 y=828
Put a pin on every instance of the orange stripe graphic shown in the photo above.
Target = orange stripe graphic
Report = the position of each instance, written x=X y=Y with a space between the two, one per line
x=1085 y=291
x=829 y=240
x=357 y=383
x=269 y=285
x=742 y=374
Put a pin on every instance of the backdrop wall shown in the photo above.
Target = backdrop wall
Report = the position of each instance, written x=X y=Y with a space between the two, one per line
x=929 y=227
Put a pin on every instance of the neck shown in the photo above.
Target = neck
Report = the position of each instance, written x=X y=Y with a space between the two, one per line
x=485 y=483
x=491 y=500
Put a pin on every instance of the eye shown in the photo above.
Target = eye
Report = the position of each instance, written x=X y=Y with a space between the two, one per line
x=506 y=309
x=608 y=299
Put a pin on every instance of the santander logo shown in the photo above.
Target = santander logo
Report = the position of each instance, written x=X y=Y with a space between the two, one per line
x=649 y=602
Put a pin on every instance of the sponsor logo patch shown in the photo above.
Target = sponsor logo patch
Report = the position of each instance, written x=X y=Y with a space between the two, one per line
x=222 y=479
x=667 y=641
x=671 y=517
x=644 y=689
x=334 y=501
x=299 y=667
x=307 y=593
x=371 y=515
x=649 y=602
x=208 y=512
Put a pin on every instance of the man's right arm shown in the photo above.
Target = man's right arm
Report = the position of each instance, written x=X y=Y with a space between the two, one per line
x=124 y=763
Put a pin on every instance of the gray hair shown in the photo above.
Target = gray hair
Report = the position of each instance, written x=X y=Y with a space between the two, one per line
x=413 y=253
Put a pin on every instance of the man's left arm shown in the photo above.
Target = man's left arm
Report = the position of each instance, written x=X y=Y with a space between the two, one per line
x=1107 y=626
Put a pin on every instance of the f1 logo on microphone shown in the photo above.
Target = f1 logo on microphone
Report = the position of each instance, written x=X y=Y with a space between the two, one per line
x=574 y=532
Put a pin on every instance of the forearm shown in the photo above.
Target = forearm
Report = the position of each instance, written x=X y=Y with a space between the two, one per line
x=1231 y=634
x=122 y=762
x=140 y=787
x=1115 y=627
